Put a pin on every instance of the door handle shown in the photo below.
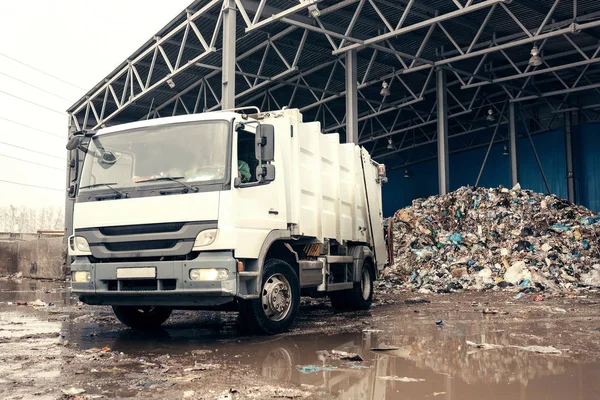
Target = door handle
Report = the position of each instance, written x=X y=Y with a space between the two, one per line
x=273 y=212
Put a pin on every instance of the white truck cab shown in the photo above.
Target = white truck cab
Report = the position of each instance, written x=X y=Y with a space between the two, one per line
x=224 y=210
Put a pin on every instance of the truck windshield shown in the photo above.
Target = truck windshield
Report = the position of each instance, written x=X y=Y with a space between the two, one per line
x=195 y=153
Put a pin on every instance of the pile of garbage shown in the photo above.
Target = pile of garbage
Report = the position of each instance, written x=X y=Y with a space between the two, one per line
x=477 y=238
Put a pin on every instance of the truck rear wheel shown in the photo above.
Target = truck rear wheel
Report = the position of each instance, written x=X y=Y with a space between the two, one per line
x=276 y=307
x=360 y=297
x=142 y=318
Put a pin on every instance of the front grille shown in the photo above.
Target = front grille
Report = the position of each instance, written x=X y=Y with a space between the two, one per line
x=141 y=285
x=186 y=257
x=137 y=229
x=147 y=241
x=146 y=245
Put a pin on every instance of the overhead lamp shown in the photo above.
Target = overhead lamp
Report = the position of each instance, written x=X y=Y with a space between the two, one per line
x=406 y=175
x=385 y=91
x=171 y=83
x=505 y=153
x=535 y=60
x=390 y=145
x=490 y=116
x=314 y=11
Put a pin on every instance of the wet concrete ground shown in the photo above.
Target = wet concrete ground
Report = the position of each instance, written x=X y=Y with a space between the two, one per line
x=526 y=350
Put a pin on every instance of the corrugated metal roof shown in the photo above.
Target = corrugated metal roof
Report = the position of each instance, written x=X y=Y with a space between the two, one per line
x=318 y=52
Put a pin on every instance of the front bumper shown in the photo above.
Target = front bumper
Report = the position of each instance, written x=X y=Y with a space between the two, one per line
x=172 y=286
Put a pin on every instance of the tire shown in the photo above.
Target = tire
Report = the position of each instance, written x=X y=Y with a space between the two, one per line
x=142 y=318
x=273 y=312
x=360 y=297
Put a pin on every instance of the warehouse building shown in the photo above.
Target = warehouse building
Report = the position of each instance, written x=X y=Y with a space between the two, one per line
x=446 y=93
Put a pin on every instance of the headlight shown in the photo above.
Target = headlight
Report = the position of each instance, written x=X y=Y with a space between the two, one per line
x=82 y=276
x=206 y=237
x=209 y=274
x=81 y=244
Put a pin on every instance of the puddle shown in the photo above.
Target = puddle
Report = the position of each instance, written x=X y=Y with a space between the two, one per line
x=31 y=290
x=427 y=362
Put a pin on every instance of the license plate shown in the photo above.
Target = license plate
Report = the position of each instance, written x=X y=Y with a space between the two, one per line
x=124 y=273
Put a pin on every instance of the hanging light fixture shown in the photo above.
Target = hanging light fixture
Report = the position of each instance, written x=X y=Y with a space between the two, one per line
x=406 y=175
x=314 y=11
x=385 y=91
x=535 y=60
x=490 y=116
x=390 y=145
x=505 y=153
x=171 y=83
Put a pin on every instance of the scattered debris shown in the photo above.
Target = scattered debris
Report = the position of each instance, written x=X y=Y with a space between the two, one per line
x=417 y=301
x=12 y=277
x=484 y=346
x=372 y=331
x=540 y=349
x=385 y=348
x=346 y=356
x=534 y=349
x=307 y=369
x=477 y=238
x=400 y=379
x=40 y=303
x=105 y=349
x=73 y=391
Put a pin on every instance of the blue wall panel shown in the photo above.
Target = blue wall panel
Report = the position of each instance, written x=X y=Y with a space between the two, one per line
x=400 y=192
x=586 y=162
x=464 y=168
x=551 y=150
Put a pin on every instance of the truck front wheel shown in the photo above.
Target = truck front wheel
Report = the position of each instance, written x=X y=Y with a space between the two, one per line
x=142 y=318
x=276 y=307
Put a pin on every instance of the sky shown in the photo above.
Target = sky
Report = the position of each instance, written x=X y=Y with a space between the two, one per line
x=78 y=41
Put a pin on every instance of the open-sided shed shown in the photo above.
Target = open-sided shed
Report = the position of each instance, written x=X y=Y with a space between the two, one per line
x=430 y=87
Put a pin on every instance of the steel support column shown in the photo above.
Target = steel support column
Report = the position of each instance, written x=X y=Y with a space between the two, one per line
x=512 y=131
x=569 y=153
x=228 y=74
x=351 y=98
x=442 y=134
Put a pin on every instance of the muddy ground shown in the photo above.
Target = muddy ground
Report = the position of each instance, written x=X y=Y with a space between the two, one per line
x=520 y=348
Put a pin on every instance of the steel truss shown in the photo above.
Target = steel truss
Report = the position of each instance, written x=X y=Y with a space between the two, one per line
x=296 y=57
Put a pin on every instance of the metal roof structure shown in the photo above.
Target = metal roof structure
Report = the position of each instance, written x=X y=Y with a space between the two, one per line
x=452 y=68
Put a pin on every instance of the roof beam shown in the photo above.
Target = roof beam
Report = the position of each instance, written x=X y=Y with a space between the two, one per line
x=419 y=25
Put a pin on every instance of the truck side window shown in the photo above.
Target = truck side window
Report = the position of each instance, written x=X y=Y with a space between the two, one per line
x=246 y=160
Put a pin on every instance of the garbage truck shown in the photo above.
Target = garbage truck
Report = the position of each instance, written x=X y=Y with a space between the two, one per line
x=228 y=210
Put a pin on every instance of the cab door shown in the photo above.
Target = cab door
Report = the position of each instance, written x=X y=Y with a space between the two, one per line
x=256 y=206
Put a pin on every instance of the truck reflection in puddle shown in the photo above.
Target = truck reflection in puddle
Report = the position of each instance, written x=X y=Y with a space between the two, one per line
x=436 y=363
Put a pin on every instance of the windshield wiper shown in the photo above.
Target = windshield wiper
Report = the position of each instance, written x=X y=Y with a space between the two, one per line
x=98 y=184
x=171 y=178
x=118 y=192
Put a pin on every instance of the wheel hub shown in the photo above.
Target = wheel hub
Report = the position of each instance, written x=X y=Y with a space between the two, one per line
x=276 y=297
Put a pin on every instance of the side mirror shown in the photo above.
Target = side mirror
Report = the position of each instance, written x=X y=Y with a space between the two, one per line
x=265 y=143
x=265 y=173
x=75 y=140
